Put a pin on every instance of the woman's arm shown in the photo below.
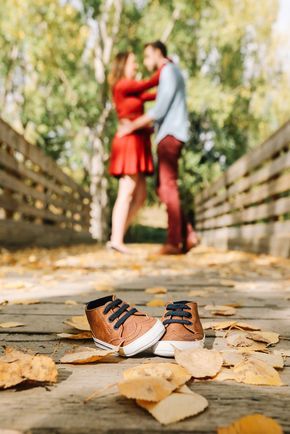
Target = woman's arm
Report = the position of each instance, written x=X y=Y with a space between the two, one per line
x=134 y=87
x=148 y=96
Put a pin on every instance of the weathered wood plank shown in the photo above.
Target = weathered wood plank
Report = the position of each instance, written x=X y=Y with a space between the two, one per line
x=254 y=213
x=276 y=143
x=260 y=193
x=20 y=233
x=18 y=143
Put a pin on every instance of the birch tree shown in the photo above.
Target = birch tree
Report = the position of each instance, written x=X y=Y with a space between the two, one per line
x=104 y=30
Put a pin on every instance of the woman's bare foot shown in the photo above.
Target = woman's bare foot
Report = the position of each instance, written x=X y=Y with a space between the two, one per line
x=121 y=248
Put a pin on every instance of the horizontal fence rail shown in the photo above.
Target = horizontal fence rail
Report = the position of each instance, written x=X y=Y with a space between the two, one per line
x=39 y=203
x=248 y=207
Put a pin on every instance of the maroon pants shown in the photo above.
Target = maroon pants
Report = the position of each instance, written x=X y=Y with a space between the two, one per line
x=169 y=150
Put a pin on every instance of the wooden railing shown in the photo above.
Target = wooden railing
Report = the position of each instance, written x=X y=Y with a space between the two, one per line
x=248 y=207
x=39 y=203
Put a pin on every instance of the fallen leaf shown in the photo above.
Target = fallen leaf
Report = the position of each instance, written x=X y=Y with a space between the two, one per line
x=220 y=310
x=104 y=287
x=17 y=367
x=156 y=302
x=175 y=407
x=11 y=324
x=156 y=290
x=199 y=362
x=252 y=371
x=224 y=325
x=269 y=338
x=71 y=302
x=227 y=282
x=198 y=293
x=252 y=424
x=175 y=374
x=82 y=335
x=232 y=358
x=29 y=301
x=79 y=322
x=84 y=355
x=240 y=339
x=146 y=388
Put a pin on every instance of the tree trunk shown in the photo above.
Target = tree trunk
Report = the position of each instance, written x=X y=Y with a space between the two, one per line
x=107 y=26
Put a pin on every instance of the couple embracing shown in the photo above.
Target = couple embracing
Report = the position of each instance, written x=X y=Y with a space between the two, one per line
x=131 y=159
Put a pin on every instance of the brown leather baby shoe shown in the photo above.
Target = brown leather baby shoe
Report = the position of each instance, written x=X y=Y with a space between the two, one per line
x=183 y=329
x=117 y=326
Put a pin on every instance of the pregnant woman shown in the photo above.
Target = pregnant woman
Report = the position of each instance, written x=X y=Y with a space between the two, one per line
x=131 y=158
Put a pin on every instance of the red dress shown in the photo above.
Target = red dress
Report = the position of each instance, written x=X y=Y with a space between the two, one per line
x=131 y=154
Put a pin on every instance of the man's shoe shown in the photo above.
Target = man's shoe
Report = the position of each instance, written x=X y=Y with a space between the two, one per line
x=170 y=249
x=183 y=329
x=117 y=326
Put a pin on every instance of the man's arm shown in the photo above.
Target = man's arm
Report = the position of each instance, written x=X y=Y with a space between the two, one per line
x=166 y=90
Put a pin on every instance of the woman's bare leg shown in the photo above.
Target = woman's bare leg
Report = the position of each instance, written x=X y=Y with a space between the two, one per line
x=127 y=186
x=138 y=200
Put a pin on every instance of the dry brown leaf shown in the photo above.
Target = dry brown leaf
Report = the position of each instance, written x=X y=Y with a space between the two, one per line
x=252 y=424
x=156 y=302
x=106 y=287
x=220 y=310
x=82 y=335
x=79 y=322
x=175 y=407
x=17 y=367
x=240 y=340
x=146 y=388
x=224 y=325
x=14 y=285
x=175 y=374
x=256 y=372
x=84 y=355
x=232 y=358
x=252 y=371
x=227 y=282
x=199 y=362
x=156 y=290
x=28 y=301
x=71 y=302
x=272 y=359
x=11 y=324
x=269 y=338
x=198 y=293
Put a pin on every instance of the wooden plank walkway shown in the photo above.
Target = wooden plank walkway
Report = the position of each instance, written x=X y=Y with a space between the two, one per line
x=259 y=284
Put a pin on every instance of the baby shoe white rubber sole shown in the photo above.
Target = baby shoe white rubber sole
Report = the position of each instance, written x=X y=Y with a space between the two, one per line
x=145 y=341
x=166 y=348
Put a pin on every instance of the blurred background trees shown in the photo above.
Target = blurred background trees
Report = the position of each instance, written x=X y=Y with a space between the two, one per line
x=54 y=60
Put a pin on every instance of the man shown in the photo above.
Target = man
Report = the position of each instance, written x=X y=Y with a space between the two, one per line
x=171 y=121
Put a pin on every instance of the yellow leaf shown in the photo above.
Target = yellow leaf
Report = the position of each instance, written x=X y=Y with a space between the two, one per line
x=199 y=362
x=175 y=374
x=78 y=322
x=268 y=337
x=175 y=407
x=11 y=324
x=146 y=388
x=156 y=302
x=252 y=424
x=221 y=310
x=224 y=325
x=82 y=335
x=83 y=355
x=156 y=290
x=17 y=367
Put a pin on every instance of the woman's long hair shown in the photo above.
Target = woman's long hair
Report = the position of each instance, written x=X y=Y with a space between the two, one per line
x=118 y=68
